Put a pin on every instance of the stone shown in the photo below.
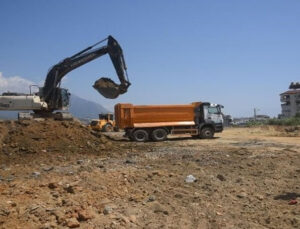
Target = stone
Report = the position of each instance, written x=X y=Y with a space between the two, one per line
x=79 y=162
x=36 y=174
x=47 y=169
x=107 y=210
x=73 y=223
x=221 y=177
x=151 y=198
x=242 y=195
x=190 y=179
x=52 y=185
x=132 y=218
x=129 y=161
x=85 y=215
x=69 y=189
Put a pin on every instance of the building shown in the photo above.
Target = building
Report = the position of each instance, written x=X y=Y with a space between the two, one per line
x=290 y=101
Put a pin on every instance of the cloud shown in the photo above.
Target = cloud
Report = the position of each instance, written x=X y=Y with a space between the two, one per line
x=14 y=84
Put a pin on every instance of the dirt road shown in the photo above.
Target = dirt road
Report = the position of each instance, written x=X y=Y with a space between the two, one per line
x=70 y=177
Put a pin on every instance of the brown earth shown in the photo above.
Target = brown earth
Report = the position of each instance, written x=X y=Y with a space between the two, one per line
x=62 y=175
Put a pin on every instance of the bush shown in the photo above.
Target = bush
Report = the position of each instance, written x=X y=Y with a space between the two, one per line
x=295 y=121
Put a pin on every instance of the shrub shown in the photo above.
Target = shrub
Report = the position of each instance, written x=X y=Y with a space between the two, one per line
x=294 y=121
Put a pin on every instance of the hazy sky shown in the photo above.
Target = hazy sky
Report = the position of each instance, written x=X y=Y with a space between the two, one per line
x=241 y=54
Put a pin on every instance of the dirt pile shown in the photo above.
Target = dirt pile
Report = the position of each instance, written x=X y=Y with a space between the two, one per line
x=48 y=137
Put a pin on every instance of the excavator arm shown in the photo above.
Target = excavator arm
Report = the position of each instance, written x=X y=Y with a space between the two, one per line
x=104 y=86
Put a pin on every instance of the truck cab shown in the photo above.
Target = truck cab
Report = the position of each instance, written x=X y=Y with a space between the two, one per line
x=209 y=119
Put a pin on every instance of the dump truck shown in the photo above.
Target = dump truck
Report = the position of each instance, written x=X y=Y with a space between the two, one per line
x=155 y=122
x=105 y=123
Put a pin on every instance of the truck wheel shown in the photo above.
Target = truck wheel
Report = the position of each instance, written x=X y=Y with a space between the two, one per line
x=207 y=132
x=108 y=128
x=140 y=135
x=159 y=135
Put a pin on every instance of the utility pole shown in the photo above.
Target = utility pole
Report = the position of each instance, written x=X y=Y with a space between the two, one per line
x=255 y=111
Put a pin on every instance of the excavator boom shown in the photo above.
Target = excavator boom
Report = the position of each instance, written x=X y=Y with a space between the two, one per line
x=105 y=86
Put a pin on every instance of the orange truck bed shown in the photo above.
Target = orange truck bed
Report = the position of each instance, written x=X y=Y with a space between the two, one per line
x=132 y=116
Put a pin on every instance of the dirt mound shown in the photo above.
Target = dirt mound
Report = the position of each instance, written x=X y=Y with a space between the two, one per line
x=48 y=137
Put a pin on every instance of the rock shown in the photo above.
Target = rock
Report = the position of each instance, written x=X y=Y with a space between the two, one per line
x=260 y=197
x=190 y=179
x=107 y=210
x=10 y=178
x=52 y=185
x=84 y=215
x=178 y=195
x=60 y=216
x=69 y=189
x=132 y=218
x=47 y=169
x=242 y=195
x=293 y=202
x=157 y=208
x=11 y=203
x=221 y=177
x=4 y=212
x=73 y=223
x=79 y=162
x=151 y=198
x=129 y=161
x=36 y=174
x=124 y=219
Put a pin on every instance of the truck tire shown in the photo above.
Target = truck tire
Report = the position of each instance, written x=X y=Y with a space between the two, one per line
x=207 y=132
x=159 y=134
x=140 y=135
x=108 y=128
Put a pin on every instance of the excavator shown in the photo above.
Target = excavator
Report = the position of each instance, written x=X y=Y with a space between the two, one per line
x=51 y=97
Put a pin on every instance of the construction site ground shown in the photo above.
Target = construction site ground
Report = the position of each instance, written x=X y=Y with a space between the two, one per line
x=62 y=175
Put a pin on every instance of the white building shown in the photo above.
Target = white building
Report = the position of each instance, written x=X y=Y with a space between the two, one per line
x=290 y=101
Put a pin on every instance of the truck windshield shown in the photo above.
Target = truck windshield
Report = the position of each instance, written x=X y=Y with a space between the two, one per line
x=213 y=110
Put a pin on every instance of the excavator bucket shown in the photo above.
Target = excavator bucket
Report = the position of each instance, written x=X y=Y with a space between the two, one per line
x=108 y=88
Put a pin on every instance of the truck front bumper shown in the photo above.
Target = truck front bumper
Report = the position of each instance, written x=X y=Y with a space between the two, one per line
x=218 y=127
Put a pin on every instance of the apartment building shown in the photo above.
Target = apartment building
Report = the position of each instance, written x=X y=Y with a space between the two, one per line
x=290 y=101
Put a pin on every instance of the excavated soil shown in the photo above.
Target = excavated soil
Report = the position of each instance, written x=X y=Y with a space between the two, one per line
x=62 y=175
x=107 y=88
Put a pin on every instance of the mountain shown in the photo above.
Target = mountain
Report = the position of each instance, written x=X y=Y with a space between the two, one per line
x=85 y=109
x=80 y=108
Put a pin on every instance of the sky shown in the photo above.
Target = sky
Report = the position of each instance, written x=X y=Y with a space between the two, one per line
x=241 y=54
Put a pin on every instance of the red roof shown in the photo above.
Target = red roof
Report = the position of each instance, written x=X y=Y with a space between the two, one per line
x=291 y=92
